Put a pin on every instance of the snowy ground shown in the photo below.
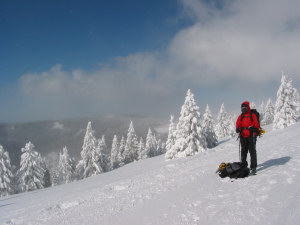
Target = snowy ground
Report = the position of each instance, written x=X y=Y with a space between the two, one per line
x=183 y=191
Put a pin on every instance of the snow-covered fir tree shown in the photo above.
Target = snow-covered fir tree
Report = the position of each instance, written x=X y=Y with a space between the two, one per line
x=131 y=148
x=223 y=126
x=89 y=164
x=155 y=144
x=114 y=153
x=189 y=134
x=6 y=175
x=47 y=175
x=120 y=157
x=160 y=147
x=231 y=126
x=65 y=167
x=286 y=106
x=268 y=113
x=102 y=155
x=141 y=148
x=262 y=110
x=253 y=105
x=150 y=147
x=209 y=128
x=171 y=135
x=31 y=174
x=55 y=177
x=296 y=98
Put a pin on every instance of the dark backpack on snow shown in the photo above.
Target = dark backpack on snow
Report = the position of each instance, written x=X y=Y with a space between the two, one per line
x=233 y=170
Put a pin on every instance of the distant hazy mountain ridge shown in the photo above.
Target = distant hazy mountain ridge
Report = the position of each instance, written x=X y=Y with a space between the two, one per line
x=49 y=137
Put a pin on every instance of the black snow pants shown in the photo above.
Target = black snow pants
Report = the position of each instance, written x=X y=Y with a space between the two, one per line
x=248 y=144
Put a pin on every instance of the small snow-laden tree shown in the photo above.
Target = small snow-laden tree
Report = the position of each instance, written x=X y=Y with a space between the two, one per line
x=131 y=148
x=171 y=135
x=65 y=167
x=209 y=128
x=114 y=153
x=286 y=106
x=6 y=175
x=296 y=98
x=231 y=126
x=120 y=157
x=161 y=148
x=47 y=175
x=189 y=134
x=149 y=149
x=88 y=165
x=55 y=177
x=141 y=148
x=102 y=155
x=31 y=174
x=154 y=149
x=252 y=105
x=223 y=126
x=262 y=111
x=268 y=113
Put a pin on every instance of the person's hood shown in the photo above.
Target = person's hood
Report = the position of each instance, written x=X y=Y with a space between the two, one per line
x=248 y=105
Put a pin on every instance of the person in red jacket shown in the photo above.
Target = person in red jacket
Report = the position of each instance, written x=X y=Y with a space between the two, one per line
x=247 y=126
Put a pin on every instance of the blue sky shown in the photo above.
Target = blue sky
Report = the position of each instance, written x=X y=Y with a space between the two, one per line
x=61 y=59
x=35 y=35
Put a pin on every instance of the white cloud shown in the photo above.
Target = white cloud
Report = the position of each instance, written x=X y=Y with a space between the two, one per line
x=58 y=126
x=247 y=40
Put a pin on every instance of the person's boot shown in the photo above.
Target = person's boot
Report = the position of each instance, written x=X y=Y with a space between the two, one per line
x=253 y=170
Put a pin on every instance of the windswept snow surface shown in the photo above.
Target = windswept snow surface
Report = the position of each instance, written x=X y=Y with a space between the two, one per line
x=181 y=191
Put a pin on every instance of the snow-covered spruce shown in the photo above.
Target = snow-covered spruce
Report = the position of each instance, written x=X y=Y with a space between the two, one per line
x=171 y=135
x=31 y=174
x=150 y=146
x=141 y=148
x=114 y=153
x=209 y=128
x=89 y=164
x=189 y=134
x=268 y=115
x=287 y=105
x=160 y=147
x=224 y=124
x=6 y=175
x=102 y=155
x=66 y=167
x=253 y=105
x=130 y=153
x=120 y=156
x=262 y=111
x=231 y=126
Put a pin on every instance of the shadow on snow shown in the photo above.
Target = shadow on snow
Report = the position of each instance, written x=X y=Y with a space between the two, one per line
x=273 y=162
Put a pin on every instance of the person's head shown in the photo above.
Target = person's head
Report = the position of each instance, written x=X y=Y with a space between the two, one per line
x=245 y=107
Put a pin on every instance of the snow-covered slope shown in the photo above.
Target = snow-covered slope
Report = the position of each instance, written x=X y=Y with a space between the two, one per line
x=182 y=191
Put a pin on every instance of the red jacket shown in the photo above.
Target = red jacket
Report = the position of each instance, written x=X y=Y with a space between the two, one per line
x=246 y=122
